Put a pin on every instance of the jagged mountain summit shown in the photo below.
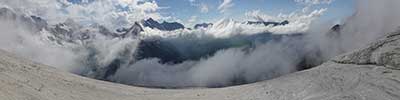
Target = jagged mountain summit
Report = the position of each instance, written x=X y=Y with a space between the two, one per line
x=35 y=23
x=203 y=25
x=164 y=26
x=267 y=23
x=134 y=30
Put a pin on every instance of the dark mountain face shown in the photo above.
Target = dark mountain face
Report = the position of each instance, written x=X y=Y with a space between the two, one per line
x=165 y=26
x=203 y=25
x=336 y=28
x=71 y=32
x=134 y=30
x=334 y=32
x=33 y=23
x=268 y=23
x=178 y=50
x=39 y=23
x=6 y=13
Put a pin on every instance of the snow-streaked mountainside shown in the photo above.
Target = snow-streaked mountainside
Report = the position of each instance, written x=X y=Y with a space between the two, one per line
x=166 y=26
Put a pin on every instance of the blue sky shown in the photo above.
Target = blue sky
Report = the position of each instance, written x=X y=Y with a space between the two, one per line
x=184 y=9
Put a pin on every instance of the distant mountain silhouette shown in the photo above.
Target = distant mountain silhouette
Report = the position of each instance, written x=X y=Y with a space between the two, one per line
x=164 y=26
x=267 y=23
x=203 y=25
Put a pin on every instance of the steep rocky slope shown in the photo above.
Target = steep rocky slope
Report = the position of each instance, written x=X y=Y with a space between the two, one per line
x=366 y=74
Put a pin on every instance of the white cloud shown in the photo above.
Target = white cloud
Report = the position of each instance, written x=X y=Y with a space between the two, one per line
x=192 y=19
x=259 y=16
x=204 y=8
x=314 y=2
x=372 y=20
x=148 y=6
x=226 y=4
x=265 y=61
x=111 y=13
x=299 y=21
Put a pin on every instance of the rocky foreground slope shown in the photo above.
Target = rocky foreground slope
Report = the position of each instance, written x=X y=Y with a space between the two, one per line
x=370 y=73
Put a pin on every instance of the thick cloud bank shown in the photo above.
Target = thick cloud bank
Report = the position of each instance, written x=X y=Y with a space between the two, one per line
x=372 y=19
x=226 y=67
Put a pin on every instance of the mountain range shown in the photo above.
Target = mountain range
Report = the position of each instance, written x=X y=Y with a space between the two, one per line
x=167 y=50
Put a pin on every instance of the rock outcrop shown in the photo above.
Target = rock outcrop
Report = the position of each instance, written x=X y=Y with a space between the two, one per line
x=134 y=30
x=33 y=23
x=267 y=23
x=370 y=73
x=164 y=26
x=203 y=25
x=385 y=52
